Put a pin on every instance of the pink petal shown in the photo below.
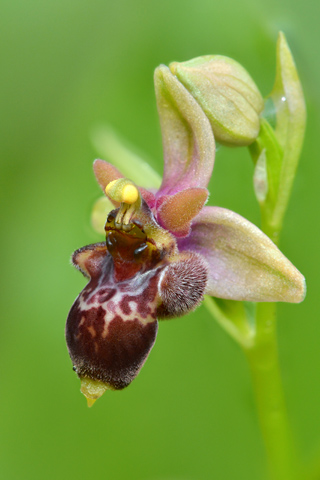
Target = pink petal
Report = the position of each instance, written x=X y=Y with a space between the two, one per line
x=188 y=141
x=244 y=264
x=148 y=197
x=175 y=212
x=105 y=173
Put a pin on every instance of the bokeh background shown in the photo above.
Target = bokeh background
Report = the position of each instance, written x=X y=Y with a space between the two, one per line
x=66 y=67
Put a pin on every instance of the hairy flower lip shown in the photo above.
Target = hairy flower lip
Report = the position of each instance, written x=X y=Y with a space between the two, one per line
x=112 y=325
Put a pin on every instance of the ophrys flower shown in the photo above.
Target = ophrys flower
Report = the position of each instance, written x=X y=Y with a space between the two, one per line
x=164 y=251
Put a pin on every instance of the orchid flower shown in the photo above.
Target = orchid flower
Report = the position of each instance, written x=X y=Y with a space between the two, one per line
x=165 y=250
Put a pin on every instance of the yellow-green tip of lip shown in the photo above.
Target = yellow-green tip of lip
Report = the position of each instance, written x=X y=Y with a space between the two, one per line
x=92 y=389
x=90 y=401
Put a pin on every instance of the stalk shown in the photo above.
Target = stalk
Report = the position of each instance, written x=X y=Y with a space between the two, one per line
x=264 y=366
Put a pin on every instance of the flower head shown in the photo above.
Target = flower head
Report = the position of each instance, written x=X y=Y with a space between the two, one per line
x=163 y=251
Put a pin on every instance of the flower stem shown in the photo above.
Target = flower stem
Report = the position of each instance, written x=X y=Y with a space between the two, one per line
x=238 y=330
x=273 y=231
x=260 y=347
x=264 y=366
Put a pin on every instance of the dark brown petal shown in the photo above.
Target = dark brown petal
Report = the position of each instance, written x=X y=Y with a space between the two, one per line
x=114 y=359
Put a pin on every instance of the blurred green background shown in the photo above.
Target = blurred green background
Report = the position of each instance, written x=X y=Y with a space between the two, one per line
x=65 y=68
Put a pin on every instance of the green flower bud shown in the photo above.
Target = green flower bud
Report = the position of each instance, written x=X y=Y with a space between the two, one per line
x=226 y=93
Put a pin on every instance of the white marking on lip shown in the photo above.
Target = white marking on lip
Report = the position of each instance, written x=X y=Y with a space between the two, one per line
x=92 y=330
x=82 y=321
x=133 y=288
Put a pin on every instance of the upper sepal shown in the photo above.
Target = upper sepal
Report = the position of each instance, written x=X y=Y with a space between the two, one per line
x=187 y=137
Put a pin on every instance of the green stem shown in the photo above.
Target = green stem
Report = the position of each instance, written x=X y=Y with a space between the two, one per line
x=260 y=347
x=237 y=330
x=264 y=366
x=312 y=470
x=273 y=231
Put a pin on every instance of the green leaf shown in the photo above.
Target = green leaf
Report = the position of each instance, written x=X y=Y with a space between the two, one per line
x=276 y=151
x=288 y=99
x=268 y=156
